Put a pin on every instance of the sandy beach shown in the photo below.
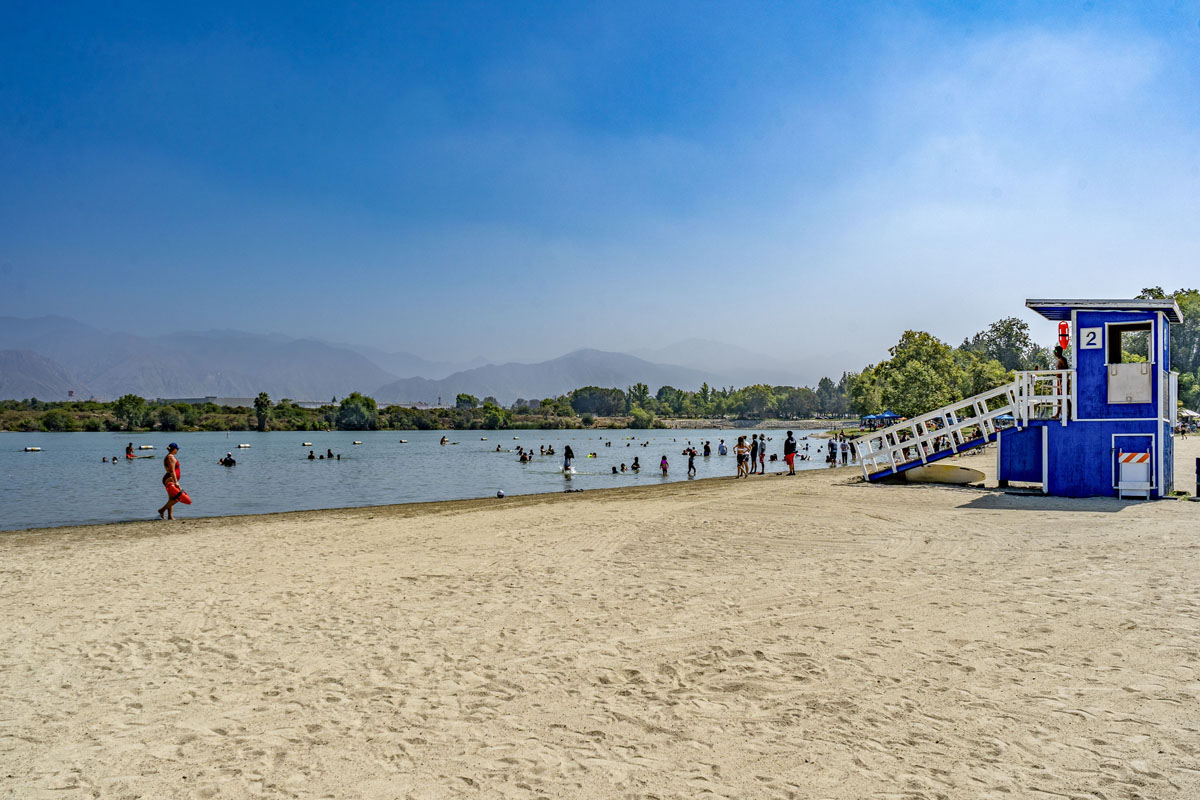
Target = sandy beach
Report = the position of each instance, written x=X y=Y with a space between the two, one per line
x=780 y=637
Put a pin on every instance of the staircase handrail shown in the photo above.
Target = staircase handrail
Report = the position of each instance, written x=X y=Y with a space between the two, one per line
x=926 y=432
x=949 y=426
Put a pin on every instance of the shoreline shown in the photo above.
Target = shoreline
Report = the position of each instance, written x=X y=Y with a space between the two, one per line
x=422 y=507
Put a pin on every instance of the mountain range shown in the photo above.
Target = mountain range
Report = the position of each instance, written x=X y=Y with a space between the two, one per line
x=47 y=357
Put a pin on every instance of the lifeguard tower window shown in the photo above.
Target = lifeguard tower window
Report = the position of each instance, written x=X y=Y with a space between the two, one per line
x=1132 y=339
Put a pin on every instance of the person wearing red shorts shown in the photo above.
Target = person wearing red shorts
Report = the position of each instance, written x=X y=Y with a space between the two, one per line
x=789 y=453
x=170 y=482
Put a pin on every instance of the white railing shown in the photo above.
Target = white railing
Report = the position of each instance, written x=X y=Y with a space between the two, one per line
x=1039 y=394
x=1045 y=394
x=951 y=427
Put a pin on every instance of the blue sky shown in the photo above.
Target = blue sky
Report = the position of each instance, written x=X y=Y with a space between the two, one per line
x=518 y=180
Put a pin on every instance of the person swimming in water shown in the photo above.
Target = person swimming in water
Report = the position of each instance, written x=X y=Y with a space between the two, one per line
x=635 y=466
x=312 y=456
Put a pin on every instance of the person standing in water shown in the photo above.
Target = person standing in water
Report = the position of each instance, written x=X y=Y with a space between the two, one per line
x=753 y=453
x=568 y=457
x=691 y=462
x=663 y=465
x=742 y=451
x=170 y=481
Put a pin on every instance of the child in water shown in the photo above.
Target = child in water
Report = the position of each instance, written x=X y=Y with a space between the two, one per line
x=663 y=465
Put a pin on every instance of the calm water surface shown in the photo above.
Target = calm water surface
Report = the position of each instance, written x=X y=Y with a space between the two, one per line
x=67 y=484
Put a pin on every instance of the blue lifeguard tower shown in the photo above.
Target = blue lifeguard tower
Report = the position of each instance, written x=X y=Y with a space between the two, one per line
x=1102 y=427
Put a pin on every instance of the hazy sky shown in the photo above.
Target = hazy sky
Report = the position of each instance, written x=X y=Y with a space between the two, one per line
x=518 y=180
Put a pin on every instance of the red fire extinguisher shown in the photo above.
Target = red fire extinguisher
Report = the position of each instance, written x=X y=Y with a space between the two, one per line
x=1064 y=334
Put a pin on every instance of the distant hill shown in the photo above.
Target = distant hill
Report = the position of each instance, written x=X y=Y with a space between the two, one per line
x=227 y=363
x=72 y=355
x=25 y=374
x=507 y=382
x=735 y=364
x=407 y=365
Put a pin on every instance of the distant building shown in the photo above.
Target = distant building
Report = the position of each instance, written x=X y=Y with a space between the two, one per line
x=232 y=402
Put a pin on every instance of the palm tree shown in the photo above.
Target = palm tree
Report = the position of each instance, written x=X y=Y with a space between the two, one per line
x=262 y=408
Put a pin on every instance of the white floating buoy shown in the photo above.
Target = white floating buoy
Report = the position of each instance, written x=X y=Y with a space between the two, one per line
x=33 y=449
x=515 y=438
x=145 y=447
x=306 y=444
x=483 y=438
x=356 y=442
x=404 y=441
x=243 y=445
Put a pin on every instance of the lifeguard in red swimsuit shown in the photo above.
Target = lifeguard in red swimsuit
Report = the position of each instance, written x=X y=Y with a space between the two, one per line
x=170 y=481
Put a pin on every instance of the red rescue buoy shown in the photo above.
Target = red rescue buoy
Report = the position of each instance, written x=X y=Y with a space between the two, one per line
x=1064 y=334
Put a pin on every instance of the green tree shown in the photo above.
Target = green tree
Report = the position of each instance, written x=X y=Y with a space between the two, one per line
x=357 y=413
x=641 y=418
x=864 y=393
x=495 y=417
x=262 y=410
x=1007 y=341
x=56 y=419
x=827 y=396
x=169 y=418
x=979 y=374
x=466 y=401
x=915 y=388
x=758 y=400
x=921 y=375
x=639 y=394
x=131 y=410
x=1185 y=337
x=598 y=401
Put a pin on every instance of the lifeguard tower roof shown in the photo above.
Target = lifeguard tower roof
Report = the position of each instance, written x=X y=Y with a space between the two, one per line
x=1059 y=310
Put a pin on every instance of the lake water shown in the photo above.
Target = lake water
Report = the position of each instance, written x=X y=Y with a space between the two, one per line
x=67 y=484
